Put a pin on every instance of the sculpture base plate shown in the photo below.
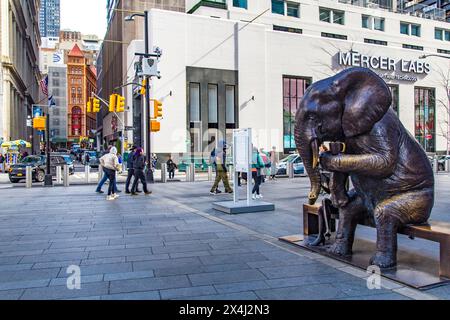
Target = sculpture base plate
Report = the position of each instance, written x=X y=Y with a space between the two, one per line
x=230 y=207
x=414 y=270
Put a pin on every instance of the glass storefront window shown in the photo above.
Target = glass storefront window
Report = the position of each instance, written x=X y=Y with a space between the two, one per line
x=212 y=103
x=194 y=102
x=447 y=35
x=293 y=91
x=424 y=107
x=230 y=98
x=395 y=98
x=278 y=7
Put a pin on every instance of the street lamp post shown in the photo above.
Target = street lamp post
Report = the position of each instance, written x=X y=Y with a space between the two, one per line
x=148 y=148
x=48 y=182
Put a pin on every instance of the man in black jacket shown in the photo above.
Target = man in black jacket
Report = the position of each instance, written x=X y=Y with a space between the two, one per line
x=139 y=167
x=130 y=168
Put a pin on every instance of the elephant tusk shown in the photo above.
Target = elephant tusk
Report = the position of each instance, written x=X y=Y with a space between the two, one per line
x=315 y=153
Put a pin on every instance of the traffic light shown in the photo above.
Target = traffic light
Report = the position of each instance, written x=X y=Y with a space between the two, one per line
x=112 y=103
x=155 y=126
x=39 y=123
x=157 y=109
x=144 y=87
x=95 y=105
x=120 y=104
x=89 y=106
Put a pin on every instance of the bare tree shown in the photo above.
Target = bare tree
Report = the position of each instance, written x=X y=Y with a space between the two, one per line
x=443 y=104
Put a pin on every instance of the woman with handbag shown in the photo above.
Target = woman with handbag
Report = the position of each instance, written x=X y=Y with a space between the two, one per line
x=110 y=164
x=257 y=167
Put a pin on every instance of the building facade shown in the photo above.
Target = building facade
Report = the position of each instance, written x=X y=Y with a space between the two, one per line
x=50 y=18
x=114 y=51
x=57 y=86
x=246 y=64
x=19 y=70
x=81 y=83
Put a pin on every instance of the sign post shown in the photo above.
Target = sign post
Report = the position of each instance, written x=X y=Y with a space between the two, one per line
x=242 y=162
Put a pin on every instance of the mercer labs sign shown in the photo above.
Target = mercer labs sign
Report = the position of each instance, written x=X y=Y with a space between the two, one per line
x=409 y=68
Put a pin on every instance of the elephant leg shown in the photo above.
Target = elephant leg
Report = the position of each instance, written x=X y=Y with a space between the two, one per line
x=339 y=196
x=407 y=208
x=348 y=220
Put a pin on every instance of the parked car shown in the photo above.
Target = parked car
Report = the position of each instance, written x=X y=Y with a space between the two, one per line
x=93 y=158
x=441 y=162
x=17 y=171
x=299 y=167
x=69 y=161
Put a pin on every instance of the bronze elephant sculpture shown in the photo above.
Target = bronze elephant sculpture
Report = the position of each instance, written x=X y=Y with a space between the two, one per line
x=392 y=177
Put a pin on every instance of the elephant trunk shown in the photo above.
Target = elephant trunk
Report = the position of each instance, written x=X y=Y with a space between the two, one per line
x=308 y=146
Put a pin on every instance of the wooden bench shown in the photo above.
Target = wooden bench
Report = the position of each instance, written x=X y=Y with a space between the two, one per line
x=435 y=231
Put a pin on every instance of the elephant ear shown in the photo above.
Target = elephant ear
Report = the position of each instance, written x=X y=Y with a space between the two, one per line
x=366 y=98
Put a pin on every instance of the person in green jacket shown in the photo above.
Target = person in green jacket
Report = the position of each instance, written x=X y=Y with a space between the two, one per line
x=257 y=167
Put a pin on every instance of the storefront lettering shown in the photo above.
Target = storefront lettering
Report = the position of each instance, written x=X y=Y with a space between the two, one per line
x=356 y=59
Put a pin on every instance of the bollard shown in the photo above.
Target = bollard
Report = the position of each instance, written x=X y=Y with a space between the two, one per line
x=290 y=170
x=2 y=167
x=100 y=173
x=66 y=175
x=188 y=173
x=447 y=165
x=87 y=171
x=29 y=177
x=192 y=178
x=435 y=165
x=163 y=172
x=58 y=175
x=210 y=173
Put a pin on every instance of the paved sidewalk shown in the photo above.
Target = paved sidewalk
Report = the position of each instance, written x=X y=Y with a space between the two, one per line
x=170 y=245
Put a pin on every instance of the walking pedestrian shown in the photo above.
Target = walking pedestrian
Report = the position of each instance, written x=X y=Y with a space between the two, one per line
x=218 y=158
x=257 y=167
x=105 y=178
x=139 y=167
x=171 y=167
x=130 y=167
x=110 y=164
x=274 y=160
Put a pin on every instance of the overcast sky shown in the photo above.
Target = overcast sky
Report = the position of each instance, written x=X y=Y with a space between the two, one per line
x=86 y=16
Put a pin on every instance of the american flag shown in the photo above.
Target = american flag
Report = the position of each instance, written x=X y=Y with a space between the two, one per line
x=44 y=85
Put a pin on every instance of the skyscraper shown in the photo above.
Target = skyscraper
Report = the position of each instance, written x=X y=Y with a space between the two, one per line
x=49 y=18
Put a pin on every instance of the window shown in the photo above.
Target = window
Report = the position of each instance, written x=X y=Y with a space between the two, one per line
x=325 y=15
x=287 y=29
x=333 y=35
x=293 y=9
x=395 y=97
x=404 y=28
x=212 y=104
x=413 y=47
x=424 y=107
x=443 y=51
x=365 y=22
x=338 y=17
x=438 y=34
x=415 y=30
x=194 y=102
x=378 y=24
x=447 y=35
x=240 y=3
x=328 y=15
x=373 y=41
x=278 y=7
x=230 y=105
x=293 y=90
x=410 y=29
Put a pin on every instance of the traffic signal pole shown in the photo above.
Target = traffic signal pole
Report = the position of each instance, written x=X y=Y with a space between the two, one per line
x=150 y=178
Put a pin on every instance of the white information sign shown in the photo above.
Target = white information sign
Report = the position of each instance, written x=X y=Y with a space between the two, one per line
x=242 y=158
